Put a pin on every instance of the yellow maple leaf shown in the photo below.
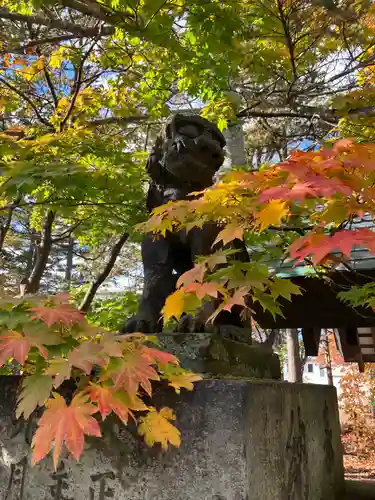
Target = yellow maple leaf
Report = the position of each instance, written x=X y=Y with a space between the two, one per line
x=58 y=57
x=272 y=214
x=156 y=428
x=179 y=378
x=178 y=303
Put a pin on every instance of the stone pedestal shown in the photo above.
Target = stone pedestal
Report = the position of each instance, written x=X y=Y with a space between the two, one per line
x=241 y=440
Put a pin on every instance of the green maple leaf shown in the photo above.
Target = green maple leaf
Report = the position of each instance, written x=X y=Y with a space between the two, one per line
x=284 y=288
x=36 y=389
x=269 y=304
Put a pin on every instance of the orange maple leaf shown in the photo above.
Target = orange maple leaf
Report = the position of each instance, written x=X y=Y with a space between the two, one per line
x=195 y=274
x=61 y=313
x=85 y=356
x=132 y=371
x=228 y=234
x=154 y=356
x=61 y=424
x=119 y=402
x=112 y=344
x=202 y=290
x=16 y=345
x=237 y=299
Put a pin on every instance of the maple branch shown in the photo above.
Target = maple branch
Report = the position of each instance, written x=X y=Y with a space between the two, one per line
x=51 y=86
x=76 y=86
x=330 y=116
x=368 y=62
x=95 y=10
x=288 y=39
x=87 y=8
x=117 y=119
x=49 y=23
x=99 y=11
x=56 y=204
x=53 y=40
x=29 y=102
x=89 y=297
x=249 y=113
x=299 y=230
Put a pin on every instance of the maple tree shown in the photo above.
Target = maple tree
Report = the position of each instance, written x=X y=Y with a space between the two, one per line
x=52 y=342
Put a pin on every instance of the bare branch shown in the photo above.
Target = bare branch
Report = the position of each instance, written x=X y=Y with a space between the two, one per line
x=67 y=233
x=29 y=101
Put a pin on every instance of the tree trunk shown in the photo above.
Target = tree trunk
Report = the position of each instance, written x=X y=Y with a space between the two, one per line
x=89 y=297
x=31 y=253
x=42 y=254
x=4 y=228
x=271 y=339
x=328 y=363
x=294 y=361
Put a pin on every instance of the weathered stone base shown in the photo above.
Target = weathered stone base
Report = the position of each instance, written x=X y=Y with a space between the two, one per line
x=241 y=440
x=219 y=355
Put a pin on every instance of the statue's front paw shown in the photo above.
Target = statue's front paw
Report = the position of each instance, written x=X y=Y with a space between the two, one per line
x=141 y=324
x=190 y=324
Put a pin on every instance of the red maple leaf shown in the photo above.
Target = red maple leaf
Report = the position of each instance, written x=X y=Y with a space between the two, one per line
x=311 y=187
x=16 y=345
x=61 y=424
x=61 y=313
x=319 y=245
x=299 y=191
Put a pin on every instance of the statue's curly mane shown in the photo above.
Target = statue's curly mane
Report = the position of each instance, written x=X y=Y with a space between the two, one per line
x=186 y=156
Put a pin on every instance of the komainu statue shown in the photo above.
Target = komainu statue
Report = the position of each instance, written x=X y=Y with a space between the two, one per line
x=185 y=158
